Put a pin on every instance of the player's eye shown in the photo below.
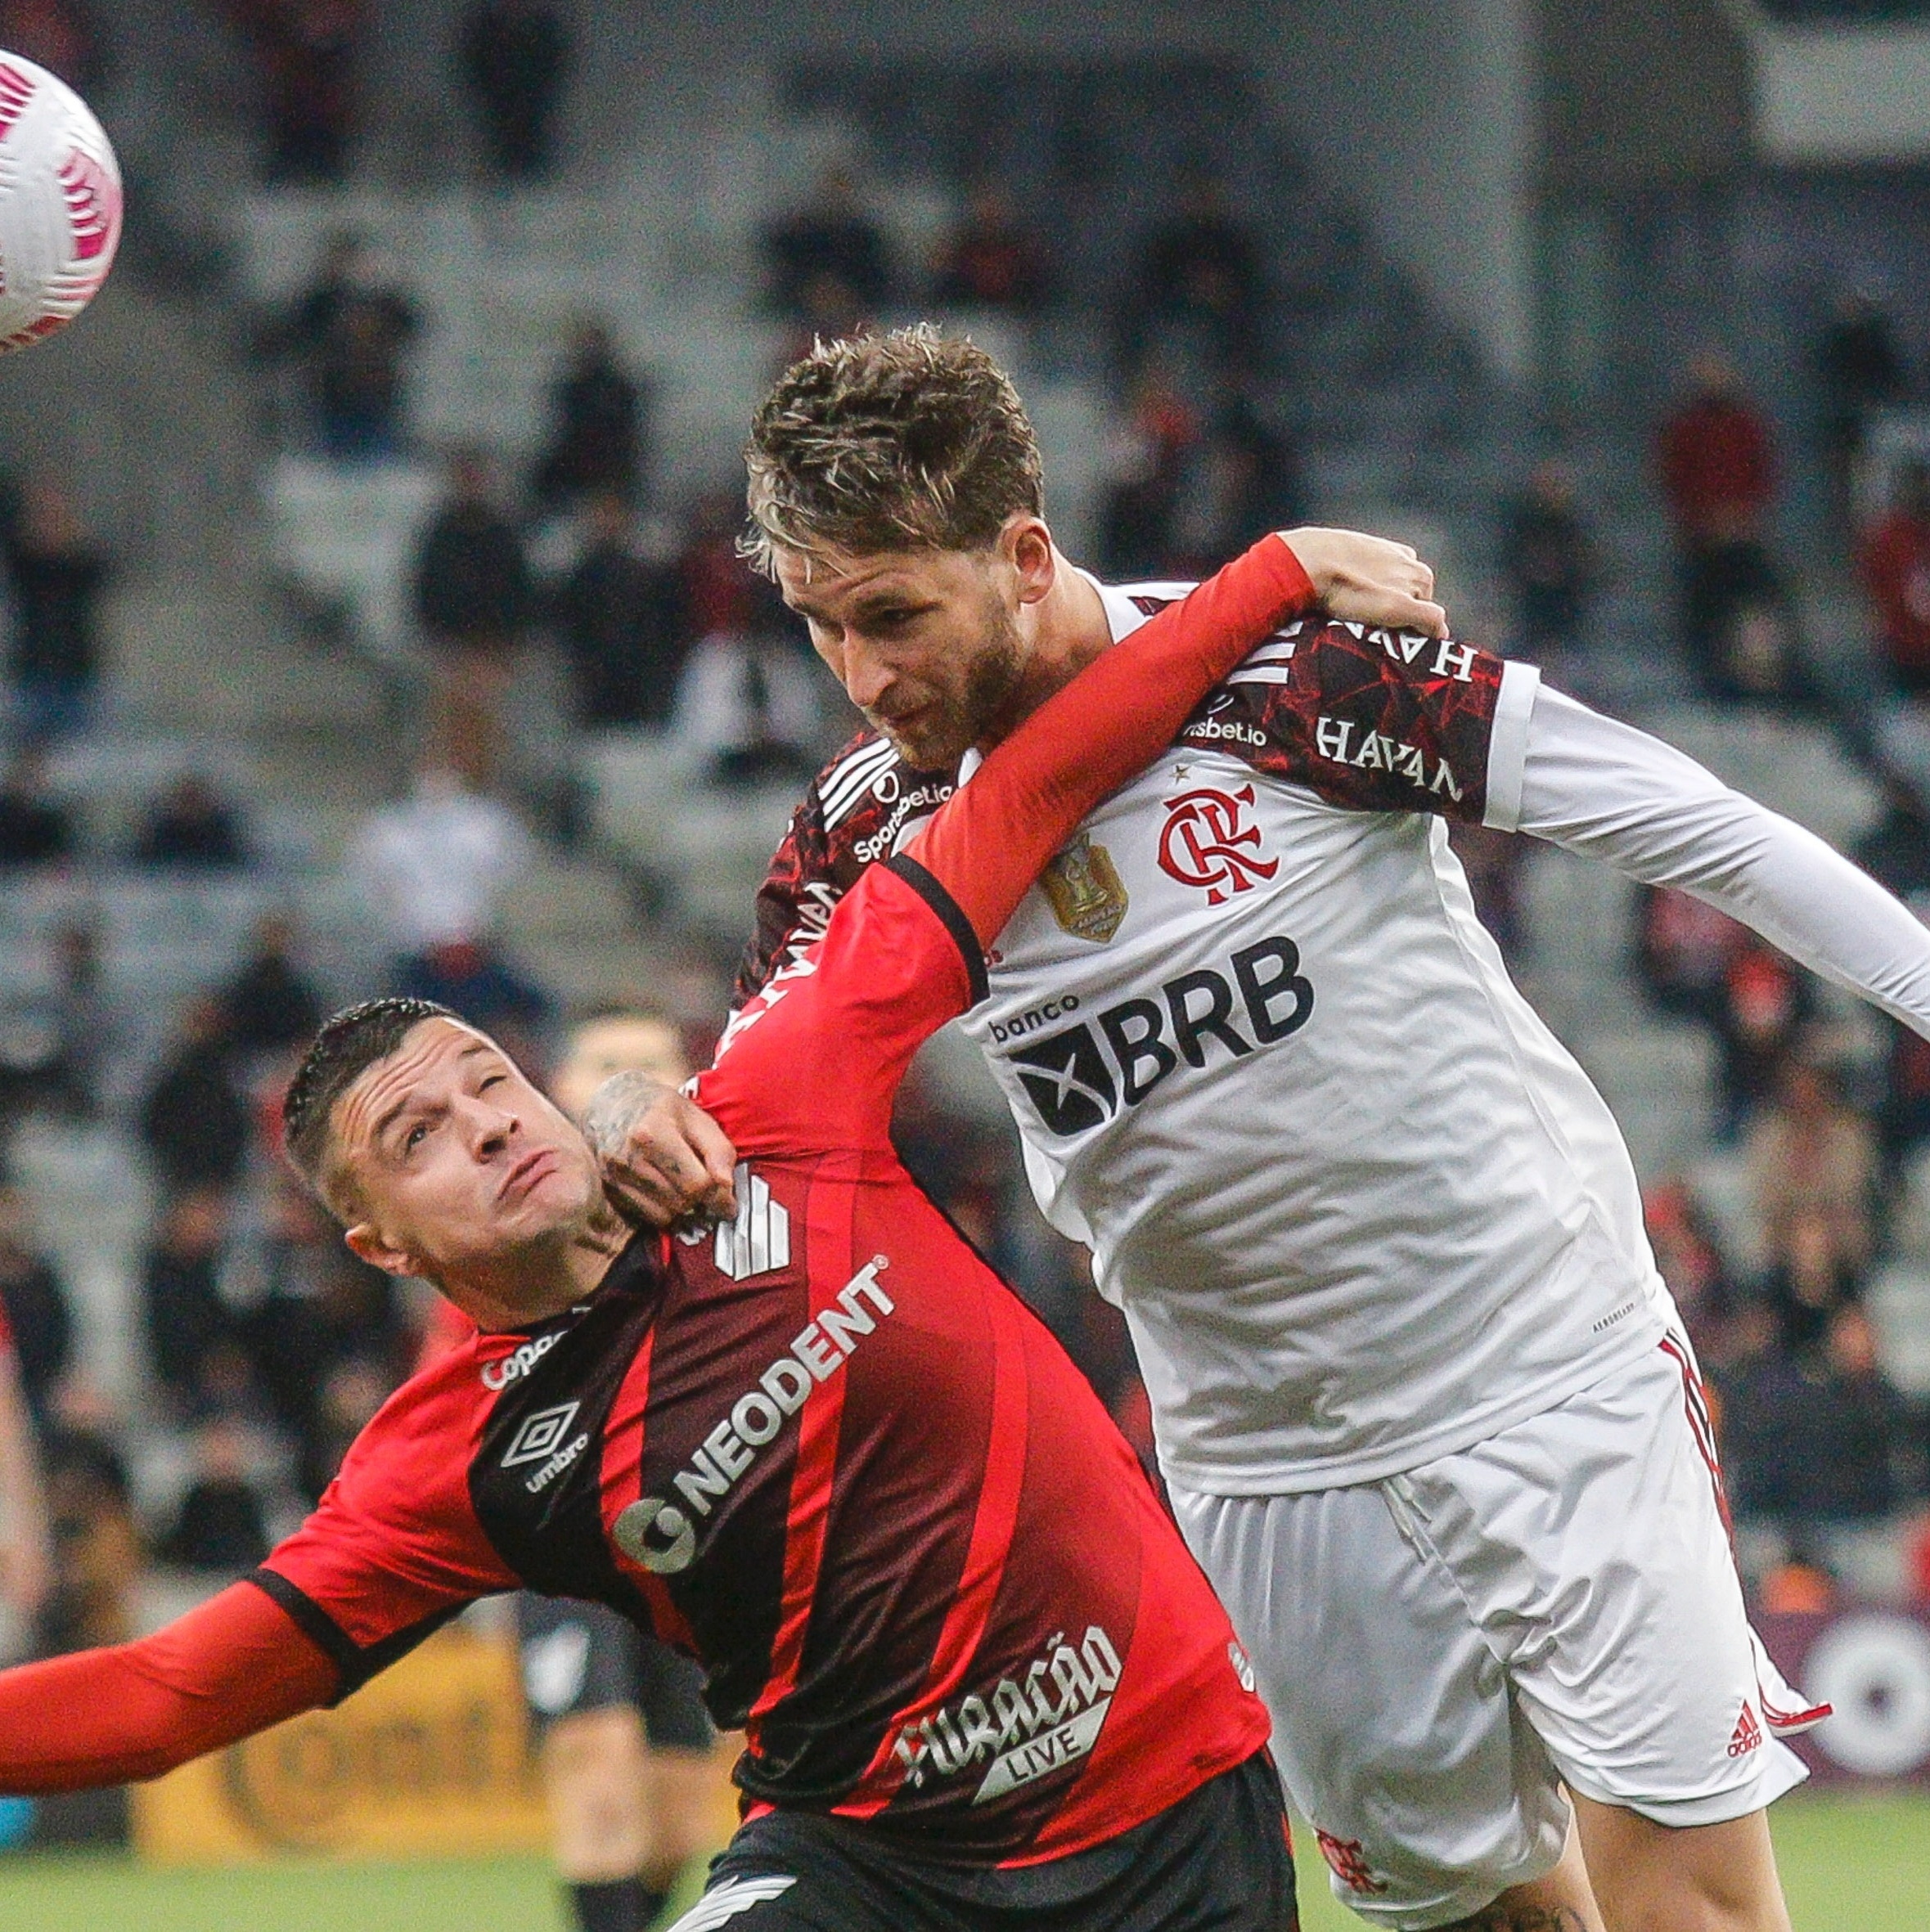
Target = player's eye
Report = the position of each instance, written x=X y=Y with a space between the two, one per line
x=489 y=1080
x=415 y=1137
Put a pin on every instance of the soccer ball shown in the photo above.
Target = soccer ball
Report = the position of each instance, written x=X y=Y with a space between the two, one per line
x=59 y=203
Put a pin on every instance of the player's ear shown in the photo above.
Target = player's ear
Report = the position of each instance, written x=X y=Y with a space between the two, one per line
x=1027 y=545
x=367 y=1242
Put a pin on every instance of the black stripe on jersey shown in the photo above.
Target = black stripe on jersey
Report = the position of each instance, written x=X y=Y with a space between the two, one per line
x=354 y=1665
x=934 y=894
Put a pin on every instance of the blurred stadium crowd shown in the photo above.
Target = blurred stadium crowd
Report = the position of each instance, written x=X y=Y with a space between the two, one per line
x=567 y=694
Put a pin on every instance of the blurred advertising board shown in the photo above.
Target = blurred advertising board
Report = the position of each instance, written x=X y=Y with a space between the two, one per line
x=1874 y=1666
x=430 y=1759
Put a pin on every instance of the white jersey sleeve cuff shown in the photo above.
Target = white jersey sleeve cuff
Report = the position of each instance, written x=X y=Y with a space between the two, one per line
x=1507 y=745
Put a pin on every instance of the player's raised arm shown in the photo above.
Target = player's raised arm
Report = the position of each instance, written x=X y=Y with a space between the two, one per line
x=995 y=835
x=1605 y=789
x=230 y=1667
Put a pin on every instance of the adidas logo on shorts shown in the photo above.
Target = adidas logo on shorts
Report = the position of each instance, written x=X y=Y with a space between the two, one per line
x=1747 y=1735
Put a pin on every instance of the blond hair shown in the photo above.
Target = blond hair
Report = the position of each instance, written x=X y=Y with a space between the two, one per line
x=909 y=440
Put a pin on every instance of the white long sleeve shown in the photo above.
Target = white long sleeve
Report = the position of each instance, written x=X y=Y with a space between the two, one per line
x=1610 y=792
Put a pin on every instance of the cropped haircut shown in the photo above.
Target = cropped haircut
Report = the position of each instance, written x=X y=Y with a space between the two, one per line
x=344 y=1050
x=907 y=441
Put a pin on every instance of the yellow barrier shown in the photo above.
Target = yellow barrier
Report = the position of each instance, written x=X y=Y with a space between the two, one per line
x=432 y=1757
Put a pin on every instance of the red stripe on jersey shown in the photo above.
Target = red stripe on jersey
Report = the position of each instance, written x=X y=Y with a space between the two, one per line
x=1696 y=1407
x=992 y=1525
x=831 y=1215
x=622 y=1484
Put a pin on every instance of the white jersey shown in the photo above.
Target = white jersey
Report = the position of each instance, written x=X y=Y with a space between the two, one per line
x=1359 y=1207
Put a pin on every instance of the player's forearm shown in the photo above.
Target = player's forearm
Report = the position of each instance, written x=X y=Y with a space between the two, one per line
x=1602 y=788
x=990 y=841
x=232 y=1667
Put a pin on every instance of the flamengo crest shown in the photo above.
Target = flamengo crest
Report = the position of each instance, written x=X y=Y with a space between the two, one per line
x=1207 y=842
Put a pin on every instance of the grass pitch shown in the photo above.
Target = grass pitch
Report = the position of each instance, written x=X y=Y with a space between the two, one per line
x=1850 y=1865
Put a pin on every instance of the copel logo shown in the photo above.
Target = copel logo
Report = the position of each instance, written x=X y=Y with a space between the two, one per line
x=1206 y=842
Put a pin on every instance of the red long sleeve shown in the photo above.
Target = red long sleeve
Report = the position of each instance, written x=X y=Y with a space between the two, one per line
x=233 y=1666
x=995 y=834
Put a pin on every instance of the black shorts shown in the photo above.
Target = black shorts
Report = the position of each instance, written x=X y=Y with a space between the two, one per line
x=581 y=1657
x=1216 y=1862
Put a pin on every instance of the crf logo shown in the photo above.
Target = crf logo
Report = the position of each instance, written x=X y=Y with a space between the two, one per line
x=1206 y=842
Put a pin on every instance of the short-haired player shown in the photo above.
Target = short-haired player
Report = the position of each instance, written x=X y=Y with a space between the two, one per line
x=1420 y=1397
x=821 y=1447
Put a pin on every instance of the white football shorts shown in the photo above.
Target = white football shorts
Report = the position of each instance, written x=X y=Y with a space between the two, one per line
x=1442 y=1651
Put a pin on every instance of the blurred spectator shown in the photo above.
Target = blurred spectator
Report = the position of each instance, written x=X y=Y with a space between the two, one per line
x=1685 y=950
x=192 y=825
x=1813 y=1170
x=1200 y=274
x=219 y=1525
x=622 y=621
x=1802 y=1585
x=26 y=1551
x=35 y=828
x=1762 y=1004
x=473 y=598
x=747 y=700
x=270 y=1005
x=991 y=260
x=319 y=1315
x=97 y=1549
x=1692 y=1264
x=194 y=1340
x=74 y=1034
x=195 y=1121
x=34 y=1302
x=515 y=55
x=1844 y=1431
x=347 y=334
x=58 y=576
x=1894 y=561
x=472 y=977
x=748 y=704
x=1147 y=456
x=597 y=426
x=1550 y=561
x=432 y=865
x=307 y=53
x=1808 y=1281
x=1718 y=477
x=721 y=592
x=1239 y=481
x=60 y=35
x=1492 y=860
x=828 y=259
x=1861 y=371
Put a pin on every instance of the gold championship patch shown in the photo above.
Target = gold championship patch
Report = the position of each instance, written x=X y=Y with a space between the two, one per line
x=1088 y=895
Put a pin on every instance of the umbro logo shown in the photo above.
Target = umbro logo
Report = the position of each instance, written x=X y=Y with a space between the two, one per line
x=541 y=1434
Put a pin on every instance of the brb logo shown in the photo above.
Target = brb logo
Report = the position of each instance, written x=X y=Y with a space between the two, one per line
x=1081 y=1078
x=1207 y=842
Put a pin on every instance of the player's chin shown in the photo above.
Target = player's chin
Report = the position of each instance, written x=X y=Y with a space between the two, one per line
x=927 y=740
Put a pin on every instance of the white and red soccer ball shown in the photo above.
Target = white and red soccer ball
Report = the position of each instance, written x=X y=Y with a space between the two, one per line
x=59 y=203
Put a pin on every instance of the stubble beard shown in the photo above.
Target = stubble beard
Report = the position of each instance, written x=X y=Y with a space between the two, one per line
x=987 y=708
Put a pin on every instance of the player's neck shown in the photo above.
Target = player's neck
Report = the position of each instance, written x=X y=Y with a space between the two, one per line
x=544 y=1280
x=1068 y=630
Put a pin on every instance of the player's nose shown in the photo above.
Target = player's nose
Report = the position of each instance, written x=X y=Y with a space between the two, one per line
x=866 y=676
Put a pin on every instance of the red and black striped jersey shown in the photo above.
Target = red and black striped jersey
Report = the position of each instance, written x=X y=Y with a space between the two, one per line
x=828 y=1452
